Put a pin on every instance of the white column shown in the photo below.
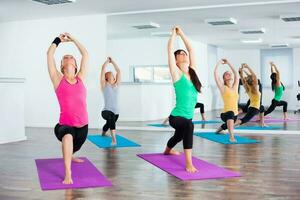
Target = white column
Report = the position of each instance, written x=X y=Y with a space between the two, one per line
x=12 y=126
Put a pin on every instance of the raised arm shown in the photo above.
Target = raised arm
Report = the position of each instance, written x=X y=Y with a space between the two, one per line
x=54 y=74
x=171 y=58
x=117 y=69
x=84 y=56
x=236 y=78
x=102 y=74
x=188 y=46
x=245 y=84
x=275 y=70
x=241 y=73
x=217 y=79
x=245 y=66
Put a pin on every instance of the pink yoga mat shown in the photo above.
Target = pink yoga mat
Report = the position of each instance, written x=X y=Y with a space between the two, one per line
x=84 y=175
x=175 y=165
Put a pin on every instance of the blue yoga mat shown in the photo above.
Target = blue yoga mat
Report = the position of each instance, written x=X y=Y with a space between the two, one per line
x=158 y=125
x=194 y=122
x=207 y=122
x=105 y=141
x=258 y=128
x=224 y=139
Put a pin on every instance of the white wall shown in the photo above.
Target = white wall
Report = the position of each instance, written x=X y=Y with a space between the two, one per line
x=252 y=58
x=24 y=55
x=153 y=51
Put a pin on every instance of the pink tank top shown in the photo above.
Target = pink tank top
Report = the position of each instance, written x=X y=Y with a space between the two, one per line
x=72 y=102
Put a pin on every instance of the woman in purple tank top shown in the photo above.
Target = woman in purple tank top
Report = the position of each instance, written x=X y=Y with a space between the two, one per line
x=68 y=84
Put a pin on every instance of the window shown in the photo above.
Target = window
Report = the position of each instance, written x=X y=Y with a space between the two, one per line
x=151 y=74
x=283 y=59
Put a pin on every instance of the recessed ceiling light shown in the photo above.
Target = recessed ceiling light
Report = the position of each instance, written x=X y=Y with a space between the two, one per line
x=53 y=2
x=290 y=18
x=253 y=31
x=283 y=45
x=252 y=41
x=149 y=25
x=221 y=21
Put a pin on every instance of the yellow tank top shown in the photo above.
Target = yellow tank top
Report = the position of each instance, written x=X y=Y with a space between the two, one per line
x=254 y=99
x=230 y=99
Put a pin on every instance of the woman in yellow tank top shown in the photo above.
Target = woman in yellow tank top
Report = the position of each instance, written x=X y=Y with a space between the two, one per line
x=250 y=84
x=229 y=92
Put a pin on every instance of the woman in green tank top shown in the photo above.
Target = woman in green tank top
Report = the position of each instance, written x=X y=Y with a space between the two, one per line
x=278 y=89
x=187 y=86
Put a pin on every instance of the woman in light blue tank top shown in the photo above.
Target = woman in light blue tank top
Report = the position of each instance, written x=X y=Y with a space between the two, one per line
x=110 y=89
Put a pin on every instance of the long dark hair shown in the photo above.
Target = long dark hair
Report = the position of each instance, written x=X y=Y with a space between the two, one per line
x=194 y=78
x=274 y=81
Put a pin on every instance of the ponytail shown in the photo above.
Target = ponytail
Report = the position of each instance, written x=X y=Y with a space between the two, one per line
x=195 y=80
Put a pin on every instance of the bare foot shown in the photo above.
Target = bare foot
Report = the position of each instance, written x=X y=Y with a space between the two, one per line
x=232 y=139
x=113 y=140
x=104 y=133
x=78 y=160
x=171 y=152
x=191 y=169
x=220 y=132
x=68 y=179
x=263 y=125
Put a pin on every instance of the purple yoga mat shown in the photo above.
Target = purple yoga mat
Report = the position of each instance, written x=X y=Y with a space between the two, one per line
x=273 y=120
x=175 y=165
x=84 y=175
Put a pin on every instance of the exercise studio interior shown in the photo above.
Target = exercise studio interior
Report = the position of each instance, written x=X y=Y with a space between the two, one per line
x=154 y=100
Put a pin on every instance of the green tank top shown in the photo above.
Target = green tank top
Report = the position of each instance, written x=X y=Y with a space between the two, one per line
x=186 y=98
x=278 y=93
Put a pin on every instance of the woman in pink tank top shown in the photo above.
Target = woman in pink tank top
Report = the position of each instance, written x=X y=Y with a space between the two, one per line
x=72 y=128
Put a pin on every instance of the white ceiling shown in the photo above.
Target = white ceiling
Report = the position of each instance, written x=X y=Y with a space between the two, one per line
x=189 y=14
x=192 y=21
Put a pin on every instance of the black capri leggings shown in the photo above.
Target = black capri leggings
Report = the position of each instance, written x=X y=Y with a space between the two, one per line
x=227 y=116
x=111 y=120
x=251 y=112
x=184 y=129
x=276 y=103
x=201 y=106
x=79 y=134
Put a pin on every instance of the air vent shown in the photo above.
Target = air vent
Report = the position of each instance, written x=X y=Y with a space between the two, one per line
x=290 y=18
x=279 y=45
x=146 y=26
x=161 y=34
x=53 y=2
x=253 y=31
x=221 y=21
x=252 y=41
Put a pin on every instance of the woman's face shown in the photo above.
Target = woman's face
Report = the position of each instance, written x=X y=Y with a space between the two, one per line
x=68 y=62
x=181 y=57
x=227 y=76
x=109 y=77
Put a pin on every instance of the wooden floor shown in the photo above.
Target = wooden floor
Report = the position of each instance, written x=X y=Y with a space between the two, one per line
x=270 y=170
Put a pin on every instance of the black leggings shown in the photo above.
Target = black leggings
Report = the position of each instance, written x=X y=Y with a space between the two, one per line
x=111 y=120
x=184 y=129
x=276 y=103
x=227 y=116
x=251 y=112
x=201 y=106
x=79 y=134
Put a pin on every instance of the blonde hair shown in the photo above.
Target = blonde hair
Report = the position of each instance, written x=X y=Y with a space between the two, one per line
x=62 y=68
